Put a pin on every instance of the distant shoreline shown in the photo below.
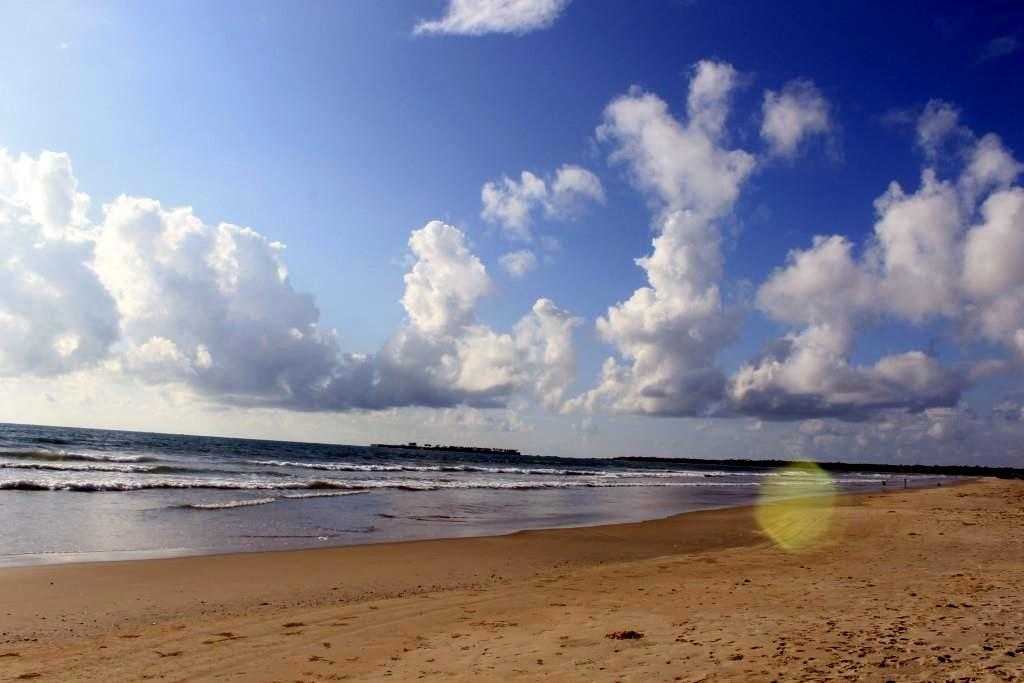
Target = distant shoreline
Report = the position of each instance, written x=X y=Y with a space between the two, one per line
x=867 y=468
x=435 y=448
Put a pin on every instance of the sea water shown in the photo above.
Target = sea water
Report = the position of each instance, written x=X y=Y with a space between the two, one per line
x=84 y=494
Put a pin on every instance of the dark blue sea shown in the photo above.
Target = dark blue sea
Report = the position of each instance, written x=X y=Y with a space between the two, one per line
x=86 y=495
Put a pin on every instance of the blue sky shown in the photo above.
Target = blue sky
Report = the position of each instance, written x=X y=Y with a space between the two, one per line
x=335 y=129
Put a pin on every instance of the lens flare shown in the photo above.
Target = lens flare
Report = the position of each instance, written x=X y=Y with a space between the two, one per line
x=795 y=506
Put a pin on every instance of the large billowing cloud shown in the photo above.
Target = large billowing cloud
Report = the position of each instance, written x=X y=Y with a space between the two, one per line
x=684 y=166
x=277 y=355
x=445 y=356
x=478 y=17
x=934 y=255
x=443 y=286
x=669 y=332
x=994 y=269
x=158 y=295
x=55 y=316
x=809 y=375
x=209 y=305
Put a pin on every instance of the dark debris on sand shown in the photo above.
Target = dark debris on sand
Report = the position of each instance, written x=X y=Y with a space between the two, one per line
x=625 y=635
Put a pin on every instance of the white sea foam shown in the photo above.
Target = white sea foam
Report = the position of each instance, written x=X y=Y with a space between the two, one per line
x=249 y=502
x=56 y=455
x=97 y=466
x=357 y=467
x=110 y=485
x=342 y=466
x=322 y=494
x=227 y=505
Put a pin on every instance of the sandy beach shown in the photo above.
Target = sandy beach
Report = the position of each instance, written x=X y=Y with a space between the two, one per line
x=916 y=585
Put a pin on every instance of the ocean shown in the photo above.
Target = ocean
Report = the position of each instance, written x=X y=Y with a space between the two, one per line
x=69 y=495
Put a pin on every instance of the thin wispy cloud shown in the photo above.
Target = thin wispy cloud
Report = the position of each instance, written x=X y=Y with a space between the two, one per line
x=996 y=48
x=479 y=17
x=519 y=263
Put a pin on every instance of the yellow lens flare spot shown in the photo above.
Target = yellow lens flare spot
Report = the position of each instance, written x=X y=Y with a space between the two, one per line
x=795 y=506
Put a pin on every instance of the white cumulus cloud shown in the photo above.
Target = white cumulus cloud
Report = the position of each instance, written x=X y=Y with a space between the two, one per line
x=155 y=294
x=514 y=204
x=793 y=115
x=444 y=284
x=668 y=333
x=213 y=301
x=932 y=257
x=55 y=315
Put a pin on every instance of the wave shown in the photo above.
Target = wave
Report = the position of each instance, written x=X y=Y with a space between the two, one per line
x=519 y=470
x=148 y=484
x=669 y=474
x=123 y=468
x=342 y=467
x=354 y=467
x=331 y=485
x=51 y=456
x=227 y=505
x=51 y=440
x=483 y=469
x=249 y=502
x=323 y=494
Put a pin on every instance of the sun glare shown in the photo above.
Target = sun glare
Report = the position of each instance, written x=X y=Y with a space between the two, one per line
x=795 y=506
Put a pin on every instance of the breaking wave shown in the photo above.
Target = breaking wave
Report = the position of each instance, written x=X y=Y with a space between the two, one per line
x=249 y=502
x=323 y=494
x=355 y=467
x=330 y=485
x=227 y=505
x=107 y=466
x=50 y=456
x=482 y=469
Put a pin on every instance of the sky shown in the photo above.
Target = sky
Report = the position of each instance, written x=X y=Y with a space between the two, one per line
x=699 y=229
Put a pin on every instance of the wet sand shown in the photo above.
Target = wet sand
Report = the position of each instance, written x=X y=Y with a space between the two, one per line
x=915 y=585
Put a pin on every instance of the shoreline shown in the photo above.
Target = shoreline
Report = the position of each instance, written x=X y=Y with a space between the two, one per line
x=418 y=607
x=144 y=555
x=189 y=553
x=47 y=559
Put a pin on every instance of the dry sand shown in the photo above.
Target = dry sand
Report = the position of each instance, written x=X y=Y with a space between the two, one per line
x=918 y=585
